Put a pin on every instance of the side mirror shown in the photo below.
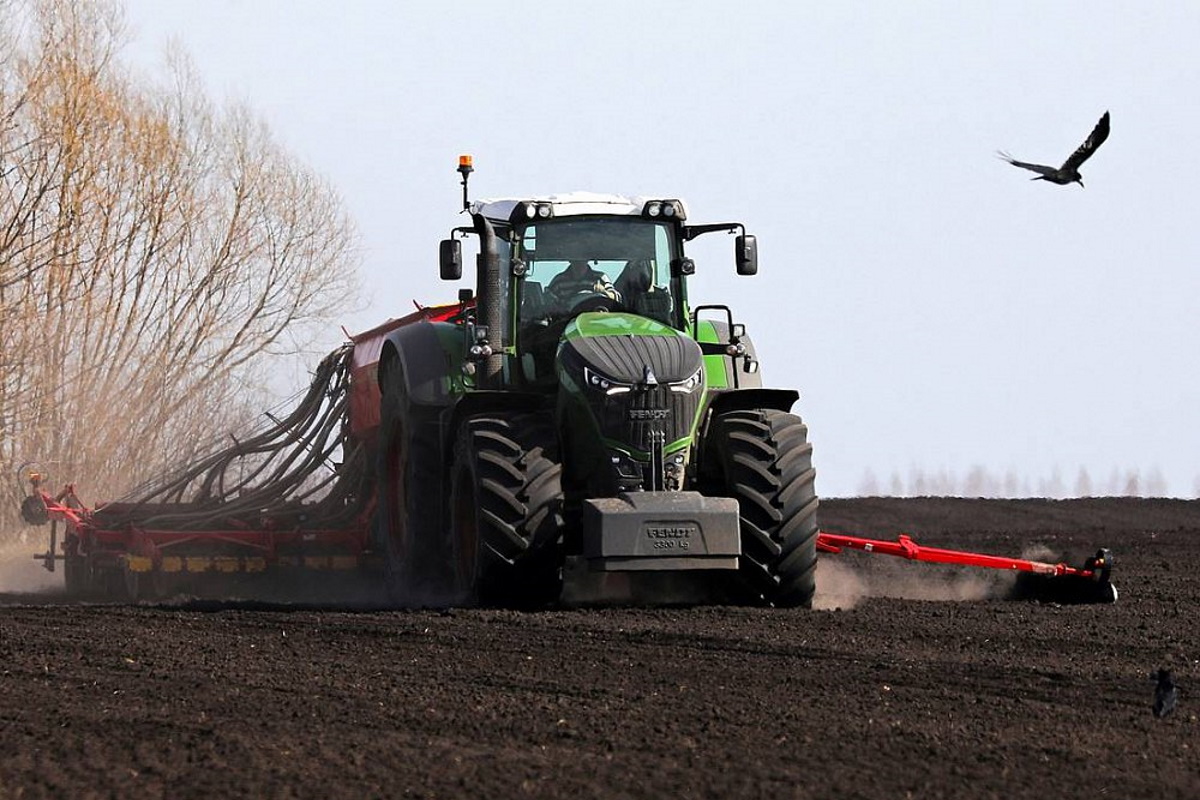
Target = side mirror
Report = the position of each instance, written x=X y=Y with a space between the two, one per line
x=450 y=257
x=746 y=254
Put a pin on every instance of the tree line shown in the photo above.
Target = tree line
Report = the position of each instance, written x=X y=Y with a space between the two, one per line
x=982 y=482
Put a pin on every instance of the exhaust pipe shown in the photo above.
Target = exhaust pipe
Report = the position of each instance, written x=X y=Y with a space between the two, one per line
x=490 y=309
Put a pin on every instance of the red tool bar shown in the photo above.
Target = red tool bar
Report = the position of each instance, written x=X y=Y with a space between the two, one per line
x=905 y=547
x=66 y=506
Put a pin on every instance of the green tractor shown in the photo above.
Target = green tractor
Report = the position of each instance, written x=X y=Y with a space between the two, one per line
x=577 y=427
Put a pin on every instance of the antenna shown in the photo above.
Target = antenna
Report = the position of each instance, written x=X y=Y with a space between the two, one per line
x=465 y=169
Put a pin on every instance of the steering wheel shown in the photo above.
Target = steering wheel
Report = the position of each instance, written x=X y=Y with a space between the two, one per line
x=592 y=301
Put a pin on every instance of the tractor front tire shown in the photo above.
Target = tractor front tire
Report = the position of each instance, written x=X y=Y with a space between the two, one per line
x=763 y=459
x=506 y=513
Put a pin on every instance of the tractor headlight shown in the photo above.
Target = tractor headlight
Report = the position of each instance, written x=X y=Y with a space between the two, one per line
x=691 y=384
x=594 y=380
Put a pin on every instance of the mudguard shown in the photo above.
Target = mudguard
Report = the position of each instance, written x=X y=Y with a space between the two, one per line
x=746 y=399
x=421 y=354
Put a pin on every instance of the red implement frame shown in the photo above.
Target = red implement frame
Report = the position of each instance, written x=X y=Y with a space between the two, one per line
x=905 y=547
x=114 y=548
x=263 y=541
x=1059 y=582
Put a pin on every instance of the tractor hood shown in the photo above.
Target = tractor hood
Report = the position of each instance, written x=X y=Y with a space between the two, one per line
x=626 y=350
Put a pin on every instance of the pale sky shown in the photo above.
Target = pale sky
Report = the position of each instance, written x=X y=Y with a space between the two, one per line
x=937 y=310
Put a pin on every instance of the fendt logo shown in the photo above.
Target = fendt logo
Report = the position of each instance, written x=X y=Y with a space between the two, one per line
x=647 y=414
x=685 y=531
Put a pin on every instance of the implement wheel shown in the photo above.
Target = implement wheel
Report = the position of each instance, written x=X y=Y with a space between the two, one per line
x=136 y=587
x=763 y=459
x=506 y=513
x=75 y=574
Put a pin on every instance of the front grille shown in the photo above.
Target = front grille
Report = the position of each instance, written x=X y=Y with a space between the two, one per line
x=633 y=417
x=645 y=417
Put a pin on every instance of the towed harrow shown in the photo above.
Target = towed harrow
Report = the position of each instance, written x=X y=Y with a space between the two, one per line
x=271 y=502
x=297 y=499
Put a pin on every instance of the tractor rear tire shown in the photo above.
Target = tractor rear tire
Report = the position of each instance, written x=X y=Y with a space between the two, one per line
x=764 y=461
x=506 y=513
x=410 y=497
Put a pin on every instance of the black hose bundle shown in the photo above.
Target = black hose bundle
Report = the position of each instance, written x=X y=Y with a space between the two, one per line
x=283 y=476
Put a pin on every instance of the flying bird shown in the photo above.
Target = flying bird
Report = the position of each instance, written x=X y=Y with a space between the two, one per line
x=1069 y=171
x=1166 y=692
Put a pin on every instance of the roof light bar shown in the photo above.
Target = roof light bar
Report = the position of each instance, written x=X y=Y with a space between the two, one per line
x=666 y=209
x=530 y=210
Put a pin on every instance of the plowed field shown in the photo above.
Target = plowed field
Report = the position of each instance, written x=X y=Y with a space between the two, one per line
x=908 y=680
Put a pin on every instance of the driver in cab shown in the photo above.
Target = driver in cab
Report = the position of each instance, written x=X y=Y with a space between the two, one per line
x=580 y=278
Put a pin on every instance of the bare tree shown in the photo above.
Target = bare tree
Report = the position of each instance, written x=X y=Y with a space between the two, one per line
x=1083 y=483
x=869 y=485
x=155 y=253
x=1156 y=484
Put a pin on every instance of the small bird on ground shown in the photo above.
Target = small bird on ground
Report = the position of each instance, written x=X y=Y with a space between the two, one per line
x=1166 y=692
x=1069 y=171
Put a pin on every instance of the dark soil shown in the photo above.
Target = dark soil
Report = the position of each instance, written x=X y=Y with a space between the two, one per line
x=882 y=695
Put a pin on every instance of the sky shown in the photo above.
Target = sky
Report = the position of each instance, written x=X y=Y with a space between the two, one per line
x=938 y=311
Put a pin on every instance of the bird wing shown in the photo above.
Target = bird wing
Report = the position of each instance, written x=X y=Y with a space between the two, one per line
x=1040 y=168
x=1097 y=137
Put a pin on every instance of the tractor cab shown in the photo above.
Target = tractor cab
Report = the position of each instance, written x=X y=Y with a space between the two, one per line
x=567 y=255
x=545 y=261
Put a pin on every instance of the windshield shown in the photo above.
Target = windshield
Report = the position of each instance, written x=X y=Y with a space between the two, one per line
x=580 y=264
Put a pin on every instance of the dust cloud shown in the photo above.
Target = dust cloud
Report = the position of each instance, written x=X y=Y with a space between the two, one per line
x=20 y=574
x=838 y=587
x=843 y=583
x=1040 y=552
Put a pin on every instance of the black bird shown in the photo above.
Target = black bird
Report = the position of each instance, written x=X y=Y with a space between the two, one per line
x=1069 y=171
x=1166 y=692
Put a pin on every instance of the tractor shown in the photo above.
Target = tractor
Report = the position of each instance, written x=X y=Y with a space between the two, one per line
x=581 y=418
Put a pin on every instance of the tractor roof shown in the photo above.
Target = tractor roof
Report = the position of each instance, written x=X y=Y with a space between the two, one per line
x=565 y=205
